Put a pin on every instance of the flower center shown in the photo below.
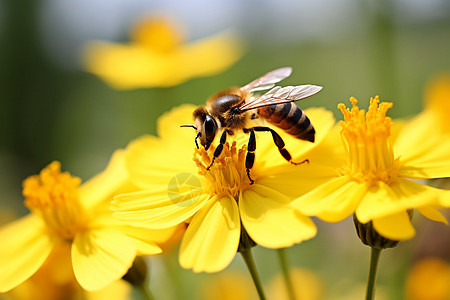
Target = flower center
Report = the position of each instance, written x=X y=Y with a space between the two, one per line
x=53 y=196
x=365 y=136
x=228 y=173
x=159 y=35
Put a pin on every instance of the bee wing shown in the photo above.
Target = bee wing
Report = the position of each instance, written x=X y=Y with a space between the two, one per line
x=279 y=95
x=268 y=80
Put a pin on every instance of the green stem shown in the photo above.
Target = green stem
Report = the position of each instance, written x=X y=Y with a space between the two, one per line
x=374 y=260
x=170 y=259
x=285 y=269
x=248 y=258
x=144 y=288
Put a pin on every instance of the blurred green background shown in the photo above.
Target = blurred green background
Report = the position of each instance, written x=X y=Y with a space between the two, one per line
x=50 y=109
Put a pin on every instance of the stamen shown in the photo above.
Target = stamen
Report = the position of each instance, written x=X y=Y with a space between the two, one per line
x=53 y=196
x=228 y=174
x=366 y=138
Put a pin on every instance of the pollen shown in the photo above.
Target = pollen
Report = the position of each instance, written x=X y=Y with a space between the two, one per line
x=227 y=176
x=366 y=138
x=53 y=196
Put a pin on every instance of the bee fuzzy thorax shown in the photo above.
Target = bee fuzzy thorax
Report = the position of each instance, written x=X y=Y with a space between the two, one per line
x=224 y=108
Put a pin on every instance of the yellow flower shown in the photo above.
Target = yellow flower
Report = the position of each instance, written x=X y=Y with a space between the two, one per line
x=220 y=203
x=429 y=279
x=437 y=105
x=157 y=56
x=372 y=180
x=67 y=214
x=306 y=284
x=228 y=285
x=55 y=281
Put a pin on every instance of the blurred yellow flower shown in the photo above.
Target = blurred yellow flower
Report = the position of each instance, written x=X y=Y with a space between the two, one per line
x=228 y=285
x=157 y=56
x=307 y=286
x=372 y=180
x=67 y=214
x=437 y=105
x=55 y=281
x=220 y=204
x=428 y=279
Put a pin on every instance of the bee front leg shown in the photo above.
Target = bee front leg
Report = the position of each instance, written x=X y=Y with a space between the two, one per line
x=218 y=151
x=250 y=157
x=280 y=144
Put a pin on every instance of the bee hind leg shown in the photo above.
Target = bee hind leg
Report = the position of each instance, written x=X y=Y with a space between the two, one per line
x=280 y=145
x=250 y=157
x=218 y=151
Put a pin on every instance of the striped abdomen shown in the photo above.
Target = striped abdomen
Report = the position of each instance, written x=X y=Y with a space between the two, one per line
x=290 y=118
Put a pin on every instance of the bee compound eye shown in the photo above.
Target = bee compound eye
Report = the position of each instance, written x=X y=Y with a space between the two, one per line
x=210 y=128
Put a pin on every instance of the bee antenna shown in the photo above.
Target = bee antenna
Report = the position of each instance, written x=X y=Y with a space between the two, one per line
x=188 y=125
x=196 y=137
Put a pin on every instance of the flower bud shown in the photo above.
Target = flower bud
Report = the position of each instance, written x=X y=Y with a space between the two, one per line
x=137 y=274
x=245 y=242
x=370 y=237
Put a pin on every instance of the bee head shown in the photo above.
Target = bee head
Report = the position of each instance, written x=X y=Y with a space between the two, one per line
x=206 y=127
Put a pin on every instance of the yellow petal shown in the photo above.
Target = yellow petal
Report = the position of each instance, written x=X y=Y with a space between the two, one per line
x=414 y=133
x=295 y=181
x=102 y=187
x=396 y=227
x=437 y=93
x=138 y=66
x=130 y=66
x=382 y=199
x=207 y=56
x=25 y=245
x=147 y=239
x=330 y=151
x=332 y=201
x=323 y=121
x=155 y=162
x=158 y=34
x=437 y=102
x=158 y=236
x=118 y=290
x=445 y=199
x=169 y=125
x=422 y=154
x=262 y=210
x=144 y=238
x=211 y=239
x=146 y=247
x=433 y=214
x=101 y=256
x=157 y=209
x=396 y=128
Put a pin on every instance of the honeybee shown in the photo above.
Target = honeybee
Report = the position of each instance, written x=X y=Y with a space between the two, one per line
x=235 y=108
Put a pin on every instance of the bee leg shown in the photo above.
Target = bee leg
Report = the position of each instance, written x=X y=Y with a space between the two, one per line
x=218 y=151
x=250 y=157
x=280 y=144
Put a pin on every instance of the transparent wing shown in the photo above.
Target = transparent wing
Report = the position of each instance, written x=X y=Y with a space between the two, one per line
x=268 y=80
x=279 y=95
